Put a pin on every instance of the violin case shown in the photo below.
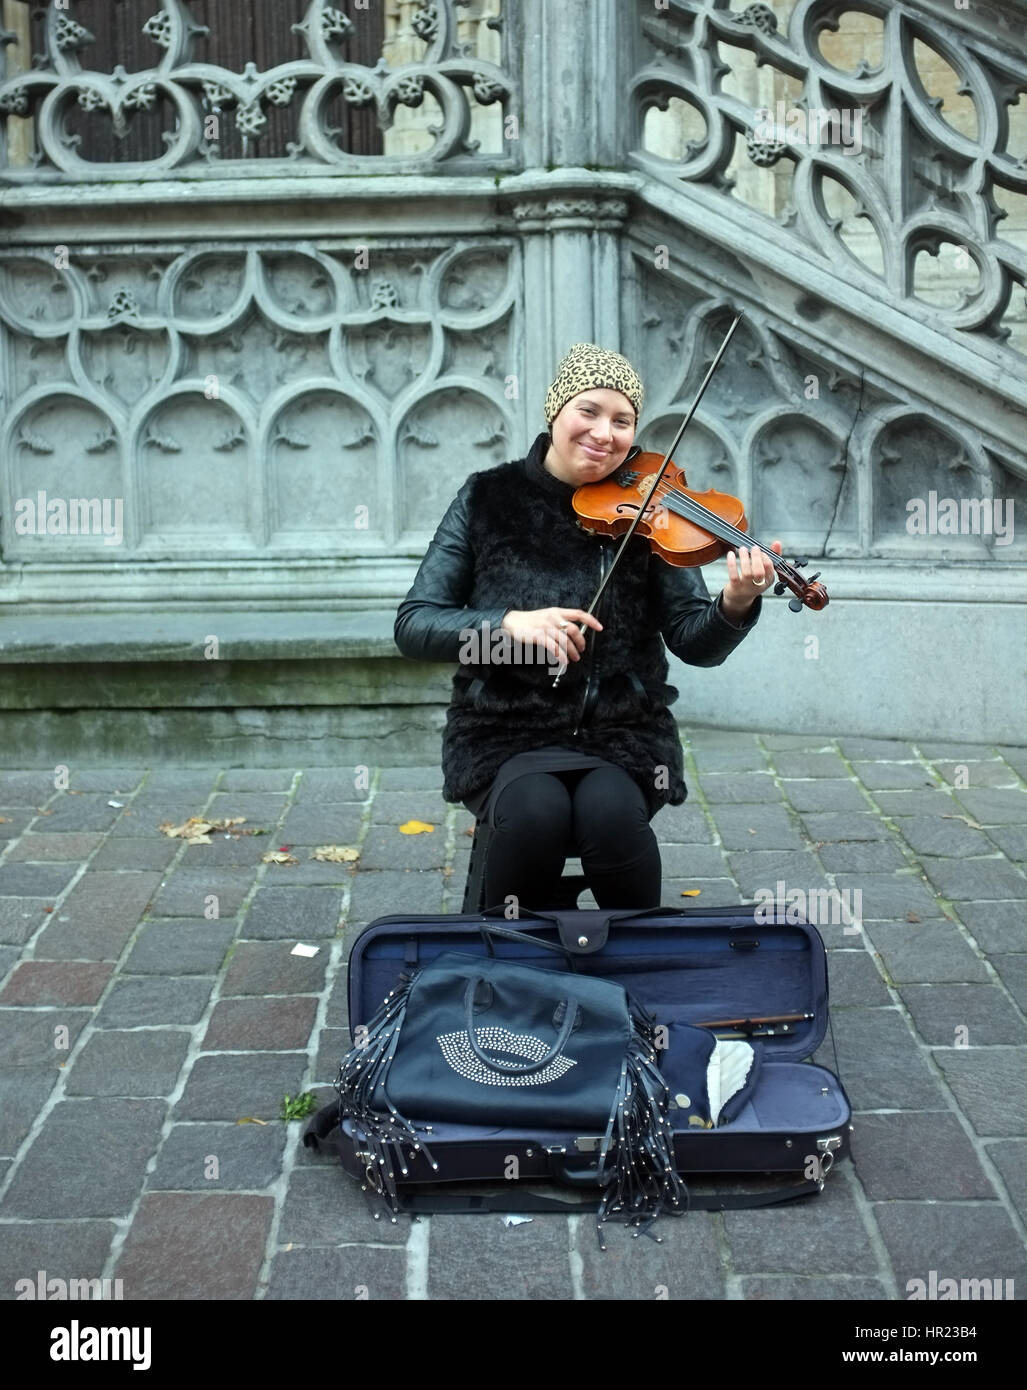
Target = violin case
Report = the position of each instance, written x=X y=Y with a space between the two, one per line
x=686 y=966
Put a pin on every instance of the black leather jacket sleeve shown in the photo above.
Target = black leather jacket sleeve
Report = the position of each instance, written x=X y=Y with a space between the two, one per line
x=434 y=613
x=692 y=624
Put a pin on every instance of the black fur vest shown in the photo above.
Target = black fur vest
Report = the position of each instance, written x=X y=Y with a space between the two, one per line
x=529 y=553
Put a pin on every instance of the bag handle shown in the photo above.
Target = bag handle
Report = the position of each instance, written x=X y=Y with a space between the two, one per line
x=516 y=1068
x=488 y=931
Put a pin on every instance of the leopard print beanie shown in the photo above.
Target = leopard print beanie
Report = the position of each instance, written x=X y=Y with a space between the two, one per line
x=587 y=367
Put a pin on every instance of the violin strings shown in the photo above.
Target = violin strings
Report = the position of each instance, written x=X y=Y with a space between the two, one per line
x=695 y=511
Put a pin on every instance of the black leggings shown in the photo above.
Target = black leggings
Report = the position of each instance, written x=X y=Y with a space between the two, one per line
x=598 y=814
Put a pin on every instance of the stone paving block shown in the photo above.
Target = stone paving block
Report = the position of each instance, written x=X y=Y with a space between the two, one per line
x=922 y=1156
x=395 y=807
x=763 y=870
x=995 y=926
x=185 y=783
x=322 y=823
x=880 y=1064
x=257 y=779
x=309 y=872
x=996 y=807
x=20 y=918
x=755 y=827
x=87 y=1160
x=938 y=835
x=115 y=781
x=325 y=1206
x=682 y=825
x=136 y=1001
x=891 y=896
x=332 y=1046
x=135 y=1062
x=14 y=820
x=98 y=916
x=233 y=851
x=410 y=779
x=833 y=827
x=246 y=1157
x=1010 y=1158
x=337 y=1012
x=135 y=854
x=477 y=1256
x=983 y=1010
x=913 y=803
x=185 y=892
x=827 y=765
x=257 y=808
x=196 y=1246
x=180 y=947
x=890 y=749
x=26 y=788
x=738 y=788
x=825 y=794
x=383 y=891
x=23 y=1094
x=352 y=1272
x=28 y=1038
x=293 y=914
x=144 y=817
x=868 y=857
x=68 y=848
x=824 y=1235
x=1011 y=840
x=853 y=979
x=282 y=1022
x=227 y=1088
x=1012 y=971
x=817 y=743
x=8 y=956
x=693 y=861
x=957 y=1240
x=812 y=1288
x=990 y=1086
x=331 y=784
x=976 y=775
x=53 y=982
x=61 y=1249
x=1016 y=758
x=85 y=812
x=974 y=879
x=713 y=892
x=881 y=776
x=941 y=748
x=386 y=848
x=685 y=1265
x=917 y=952
x=35 y=880
x=269 y=967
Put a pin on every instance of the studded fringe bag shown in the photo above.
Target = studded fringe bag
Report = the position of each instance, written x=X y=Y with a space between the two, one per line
x=477 y=1040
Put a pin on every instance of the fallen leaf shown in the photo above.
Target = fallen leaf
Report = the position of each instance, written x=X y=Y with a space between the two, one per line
x=973 y=824
x=47 y=909
x=196 y=830
x=5 y=820
x=690 y=892
x=912 y=917
x=415 y=827
x=117 y=804
x=278 y=857
x=250 y=1120
x=336 y=854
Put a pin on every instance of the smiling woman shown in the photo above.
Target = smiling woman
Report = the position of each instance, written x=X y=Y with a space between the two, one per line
x=579 y=766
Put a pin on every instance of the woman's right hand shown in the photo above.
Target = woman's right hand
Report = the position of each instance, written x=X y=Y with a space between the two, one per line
x=556 y=629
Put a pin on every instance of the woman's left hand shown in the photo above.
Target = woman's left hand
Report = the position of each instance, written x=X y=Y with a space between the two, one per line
x=749 y=576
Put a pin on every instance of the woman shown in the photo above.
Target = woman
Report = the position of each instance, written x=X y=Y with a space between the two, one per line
x=583 y=765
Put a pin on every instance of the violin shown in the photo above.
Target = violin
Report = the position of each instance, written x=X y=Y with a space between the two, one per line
x=684 y=527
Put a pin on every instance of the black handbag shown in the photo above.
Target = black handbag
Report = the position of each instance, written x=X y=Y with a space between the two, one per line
x=485 y=1041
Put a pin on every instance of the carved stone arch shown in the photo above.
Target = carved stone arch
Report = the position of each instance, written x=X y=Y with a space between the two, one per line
x=804 y=488
x=63 y=444
x=299 y=288
x=220 y=280
x=31 y=283
x=198 y=477
x=326 y=492
x=449 y=432
x=707 y=453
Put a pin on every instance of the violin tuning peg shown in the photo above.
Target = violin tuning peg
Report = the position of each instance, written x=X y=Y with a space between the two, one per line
x=795 y=604
x=813 y=577
x=780 y=587
x=800 y=564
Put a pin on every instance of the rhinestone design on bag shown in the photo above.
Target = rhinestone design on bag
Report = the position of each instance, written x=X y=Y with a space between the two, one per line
x=457 y=1051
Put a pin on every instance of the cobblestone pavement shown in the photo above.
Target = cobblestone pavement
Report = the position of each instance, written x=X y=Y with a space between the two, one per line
x=137 y=1029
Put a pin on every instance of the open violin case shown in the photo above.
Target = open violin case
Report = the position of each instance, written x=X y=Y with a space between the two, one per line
x=717 y=966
